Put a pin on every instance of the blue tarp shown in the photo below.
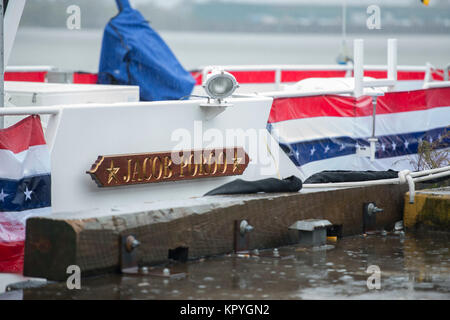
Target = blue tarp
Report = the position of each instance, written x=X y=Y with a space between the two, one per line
x=134 y=54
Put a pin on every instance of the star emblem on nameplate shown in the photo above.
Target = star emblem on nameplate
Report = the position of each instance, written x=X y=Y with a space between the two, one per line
x=112 y=173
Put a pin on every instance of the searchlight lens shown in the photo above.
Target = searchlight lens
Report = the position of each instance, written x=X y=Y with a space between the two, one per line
x=220 y=85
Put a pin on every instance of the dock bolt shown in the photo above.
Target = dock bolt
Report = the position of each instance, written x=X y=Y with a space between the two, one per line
x=372 y=208
x=245 y=227
x=143 y=270
x=132 y=243
x=276 y=253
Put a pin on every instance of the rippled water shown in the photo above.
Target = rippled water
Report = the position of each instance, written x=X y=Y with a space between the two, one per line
x=415 y=266
x=80 y=49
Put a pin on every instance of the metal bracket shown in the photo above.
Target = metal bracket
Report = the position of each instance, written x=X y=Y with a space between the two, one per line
x=129 y=261
x=212 y=110
x=242 y=228
x=128 y=253
x=370 y=211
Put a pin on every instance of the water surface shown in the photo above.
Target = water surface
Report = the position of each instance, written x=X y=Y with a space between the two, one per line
x=414 y=266
x=80 y=49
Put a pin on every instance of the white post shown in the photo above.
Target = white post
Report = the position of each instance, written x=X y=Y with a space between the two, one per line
x=344 y=20
x=2 y=67
x=392 y=59
x=12 y=20
x=428 y=77
x=278 y=78
x=358 y=66
x=446 y=70
x=205 y=74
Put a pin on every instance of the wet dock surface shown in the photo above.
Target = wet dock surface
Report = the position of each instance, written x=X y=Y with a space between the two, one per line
x=413 y=266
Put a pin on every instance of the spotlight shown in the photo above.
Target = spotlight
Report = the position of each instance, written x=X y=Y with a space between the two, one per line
x=220 y=84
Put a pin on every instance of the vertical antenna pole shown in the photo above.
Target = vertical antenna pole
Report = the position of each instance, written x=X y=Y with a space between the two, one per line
x=344 y=20
x=373 y=140
x=358 y=66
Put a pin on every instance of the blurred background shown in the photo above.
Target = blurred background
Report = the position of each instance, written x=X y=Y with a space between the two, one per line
x=204 y=32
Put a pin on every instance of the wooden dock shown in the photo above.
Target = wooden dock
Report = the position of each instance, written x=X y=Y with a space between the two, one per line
x=204 y=225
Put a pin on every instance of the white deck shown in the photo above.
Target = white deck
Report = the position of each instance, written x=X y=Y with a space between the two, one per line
x=47 y=94
x=36 y=94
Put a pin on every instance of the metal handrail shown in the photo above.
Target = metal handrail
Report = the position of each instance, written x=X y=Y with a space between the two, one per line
x=30 y=68
x=23 y=111
x=404 y=176
x=279 y=68
x=436 y=84
x=296 y=94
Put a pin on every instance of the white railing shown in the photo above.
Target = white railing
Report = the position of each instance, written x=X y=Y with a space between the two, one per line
x=428 y=82
x=358 y=69
x=404 y=176
x=305 y=67
x=438 y=84
x=52 y=125
x=23 y=111
x=278 y=69
x=30 y=68
x=296 y=94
